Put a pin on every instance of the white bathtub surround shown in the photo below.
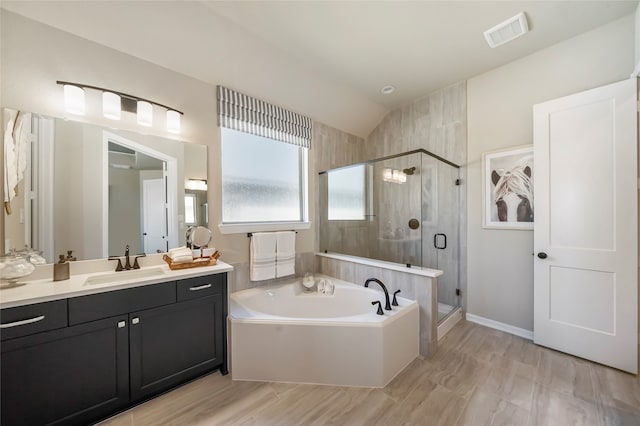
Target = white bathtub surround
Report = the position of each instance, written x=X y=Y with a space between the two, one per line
x=262 y=256
x=283 y=334
x=285 y=253
x=416 y=284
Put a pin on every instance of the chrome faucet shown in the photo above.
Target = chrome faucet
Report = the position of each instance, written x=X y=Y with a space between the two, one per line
x=387 y=305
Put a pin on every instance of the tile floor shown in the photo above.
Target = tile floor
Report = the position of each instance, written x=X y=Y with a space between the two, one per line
x=479 y=376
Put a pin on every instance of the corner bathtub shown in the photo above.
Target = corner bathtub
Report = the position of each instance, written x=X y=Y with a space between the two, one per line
x=282 y=334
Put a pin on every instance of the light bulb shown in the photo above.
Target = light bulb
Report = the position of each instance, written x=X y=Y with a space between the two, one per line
x=173 y=121
x=111 y=106
x=74 y=99
x=145 y=113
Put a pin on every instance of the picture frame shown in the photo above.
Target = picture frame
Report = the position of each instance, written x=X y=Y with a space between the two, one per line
x=507 y=188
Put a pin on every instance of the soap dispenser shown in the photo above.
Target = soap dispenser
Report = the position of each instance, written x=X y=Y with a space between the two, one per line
x=61 y=269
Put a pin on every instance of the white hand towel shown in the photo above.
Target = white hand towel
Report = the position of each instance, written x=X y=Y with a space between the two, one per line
x=262 y=259
x=285 y=253
x=182 y=259
x=180 y=255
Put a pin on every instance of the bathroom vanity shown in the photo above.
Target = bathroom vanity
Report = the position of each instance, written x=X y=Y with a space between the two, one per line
x=83 y=354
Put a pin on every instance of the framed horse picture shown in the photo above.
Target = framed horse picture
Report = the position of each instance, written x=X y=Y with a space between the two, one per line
x=508 y=188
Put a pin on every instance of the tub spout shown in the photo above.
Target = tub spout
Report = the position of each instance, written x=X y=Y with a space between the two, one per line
x=387 y=305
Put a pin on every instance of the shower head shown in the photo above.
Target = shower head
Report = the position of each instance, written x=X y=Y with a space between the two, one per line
x=409 y=171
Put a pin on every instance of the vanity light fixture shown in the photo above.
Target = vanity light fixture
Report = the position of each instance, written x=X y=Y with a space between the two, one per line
x=145 y=113
x=111 y=105
x=73 y=99
x=173 y=121
x=196 y=184
x=114 y=102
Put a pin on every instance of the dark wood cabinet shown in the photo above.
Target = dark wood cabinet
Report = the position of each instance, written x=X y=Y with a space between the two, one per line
x=172 y=344
x=71 y=375
x=155 y=338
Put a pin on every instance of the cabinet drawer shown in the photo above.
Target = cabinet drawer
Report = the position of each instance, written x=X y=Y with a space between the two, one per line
x=201 y=286
x=30 y=319
x=112 y=303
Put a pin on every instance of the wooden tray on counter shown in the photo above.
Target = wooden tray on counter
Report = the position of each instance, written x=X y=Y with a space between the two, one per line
x=199 y=261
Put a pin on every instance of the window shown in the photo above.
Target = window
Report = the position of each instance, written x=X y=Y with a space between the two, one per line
x=347 y=193
x=263 y=180
x=264 y=164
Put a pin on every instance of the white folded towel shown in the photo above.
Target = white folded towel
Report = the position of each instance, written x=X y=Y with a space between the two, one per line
x=262 y=259
x=182 y=259
x=285 y=253
x=181 y=255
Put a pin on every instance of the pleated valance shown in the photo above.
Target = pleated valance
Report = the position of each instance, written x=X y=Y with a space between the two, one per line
x=250 y=115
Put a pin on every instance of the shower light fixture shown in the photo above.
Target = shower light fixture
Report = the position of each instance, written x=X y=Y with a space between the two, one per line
x=196 y=184
x=393 y=176
x=113 y=103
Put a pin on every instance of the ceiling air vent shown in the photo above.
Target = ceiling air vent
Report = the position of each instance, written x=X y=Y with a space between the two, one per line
x=508 y=30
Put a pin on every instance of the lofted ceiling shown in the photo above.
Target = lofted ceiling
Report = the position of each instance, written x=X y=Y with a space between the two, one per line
x=335 y=52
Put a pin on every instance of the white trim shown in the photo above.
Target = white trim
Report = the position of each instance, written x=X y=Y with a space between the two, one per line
x=449 y=322
x=415 y=270
x=241 y=228
x=517 y=331
x=44 y=196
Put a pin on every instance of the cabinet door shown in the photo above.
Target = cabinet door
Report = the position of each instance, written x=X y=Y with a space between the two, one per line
x=72 y=375
x=175 y=343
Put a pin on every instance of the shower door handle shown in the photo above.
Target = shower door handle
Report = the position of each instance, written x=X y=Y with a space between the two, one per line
x=435 y=241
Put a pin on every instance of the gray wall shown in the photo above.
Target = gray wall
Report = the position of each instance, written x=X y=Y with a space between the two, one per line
x=438 y=123
x=500 y=277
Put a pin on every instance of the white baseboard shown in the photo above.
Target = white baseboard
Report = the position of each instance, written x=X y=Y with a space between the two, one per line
x=449 y=322
x=500 y=326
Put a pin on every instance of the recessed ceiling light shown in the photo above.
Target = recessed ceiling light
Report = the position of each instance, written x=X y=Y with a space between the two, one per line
x=387 y=90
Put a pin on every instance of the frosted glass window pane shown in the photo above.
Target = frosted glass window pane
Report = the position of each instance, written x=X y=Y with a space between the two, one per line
x=260 y=179
x=347 y=194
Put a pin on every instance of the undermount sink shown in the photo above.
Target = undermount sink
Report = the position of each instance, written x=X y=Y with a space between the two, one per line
x=133 y=274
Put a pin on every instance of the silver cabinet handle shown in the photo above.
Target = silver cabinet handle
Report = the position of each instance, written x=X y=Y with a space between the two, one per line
x=122 y=324
x=23 y=322
x=200 y=287
x=135 y=320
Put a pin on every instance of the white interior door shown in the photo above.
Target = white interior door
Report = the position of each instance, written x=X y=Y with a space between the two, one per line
x=154 y=215
x=585 y=235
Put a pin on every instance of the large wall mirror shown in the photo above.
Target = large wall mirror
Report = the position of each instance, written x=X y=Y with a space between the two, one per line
x=94 y=190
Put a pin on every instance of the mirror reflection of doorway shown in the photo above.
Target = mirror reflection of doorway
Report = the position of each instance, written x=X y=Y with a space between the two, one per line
x=138 y=197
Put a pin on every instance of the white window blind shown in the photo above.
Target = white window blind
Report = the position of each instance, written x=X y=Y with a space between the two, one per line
x=244 y=113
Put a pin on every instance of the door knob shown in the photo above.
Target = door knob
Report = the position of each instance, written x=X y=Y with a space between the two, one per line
x=542 y=255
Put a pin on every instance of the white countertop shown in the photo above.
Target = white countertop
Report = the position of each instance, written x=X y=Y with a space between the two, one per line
x=43 y=290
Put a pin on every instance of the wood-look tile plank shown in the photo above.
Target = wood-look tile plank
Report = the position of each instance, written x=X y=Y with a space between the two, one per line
x=487 y=409
x=551 y=407
x=616 y=388
x=511 y=381
x=566 y=374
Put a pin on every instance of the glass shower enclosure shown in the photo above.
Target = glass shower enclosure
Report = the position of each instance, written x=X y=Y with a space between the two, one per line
x=403 y=209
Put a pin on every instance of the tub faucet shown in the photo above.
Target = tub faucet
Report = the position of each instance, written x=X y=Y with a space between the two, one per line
x=387 y=305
